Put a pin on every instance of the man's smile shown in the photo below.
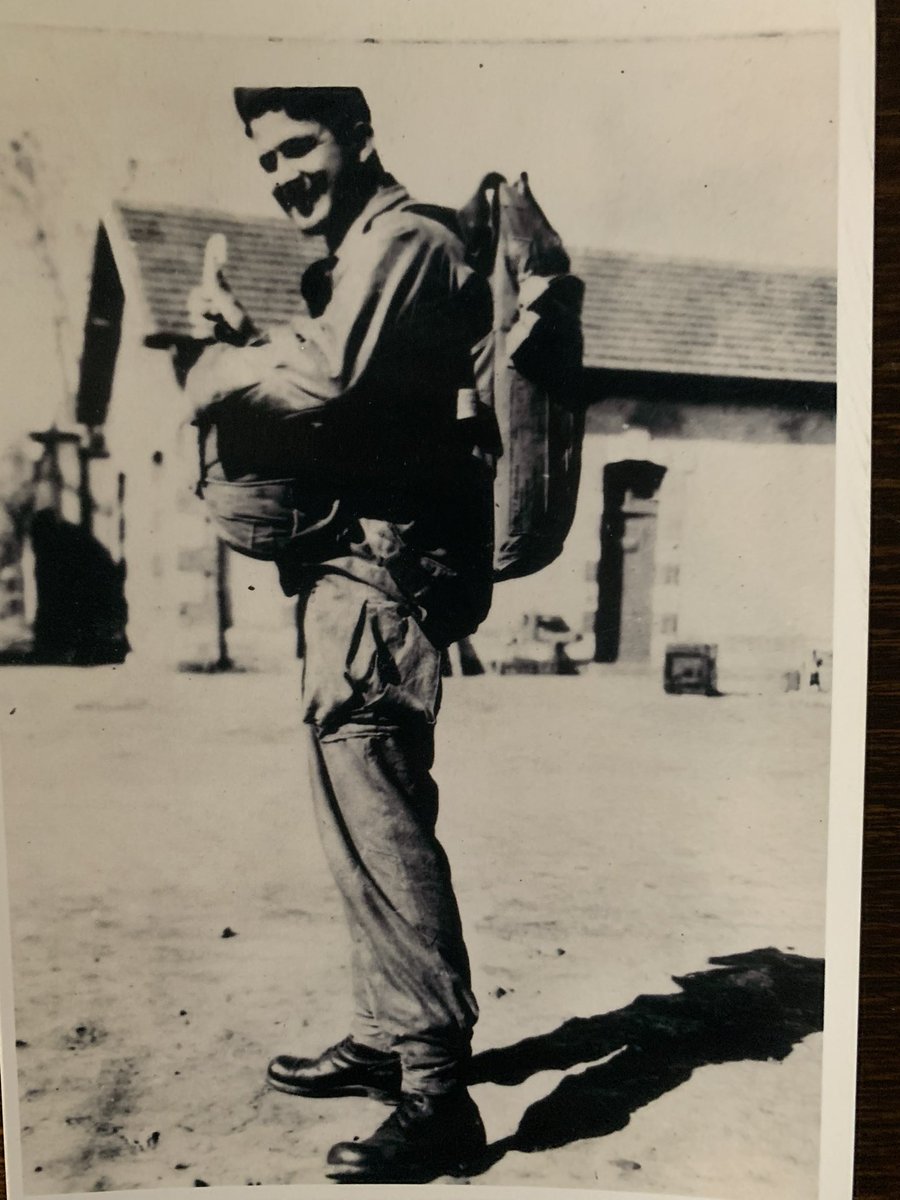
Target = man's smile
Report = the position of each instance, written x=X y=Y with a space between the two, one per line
x=302 y=193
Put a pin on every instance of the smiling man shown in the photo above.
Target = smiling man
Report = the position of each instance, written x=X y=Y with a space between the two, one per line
x=358 y=399
x=304 y=148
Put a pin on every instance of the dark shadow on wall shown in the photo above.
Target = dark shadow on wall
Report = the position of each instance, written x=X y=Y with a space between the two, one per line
x=81 y=610
x=754 y=1006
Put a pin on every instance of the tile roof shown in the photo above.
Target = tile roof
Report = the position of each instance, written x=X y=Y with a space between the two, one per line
x=265 y=261
x=640 y=313
x=707 y=318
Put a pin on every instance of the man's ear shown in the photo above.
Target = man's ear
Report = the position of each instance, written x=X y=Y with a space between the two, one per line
x=363 y=141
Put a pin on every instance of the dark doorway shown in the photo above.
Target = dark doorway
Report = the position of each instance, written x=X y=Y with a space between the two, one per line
x=624 y=623
x=81 y=613
x=81 y=610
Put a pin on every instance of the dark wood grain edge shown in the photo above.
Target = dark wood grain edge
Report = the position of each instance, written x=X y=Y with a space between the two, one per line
x=877 y=1170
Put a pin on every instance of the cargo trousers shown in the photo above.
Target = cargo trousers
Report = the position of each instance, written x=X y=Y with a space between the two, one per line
x=371 y=693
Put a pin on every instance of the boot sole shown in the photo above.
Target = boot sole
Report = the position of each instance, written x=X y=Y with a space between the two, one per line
x=293 y=1089
x=416 y=1173
x=423 y=1174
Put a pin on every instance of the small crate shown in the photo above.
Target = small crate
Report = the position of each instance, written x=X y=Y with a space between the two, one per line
x=690 y=670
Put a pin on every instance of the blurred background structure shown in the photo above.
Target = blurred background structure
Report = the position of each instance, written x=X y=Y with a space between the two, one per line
x=706 y=508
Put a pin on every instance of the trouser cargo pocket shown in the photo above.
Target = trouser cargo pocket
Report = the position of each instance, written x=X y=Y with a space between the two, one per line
x=368 y=663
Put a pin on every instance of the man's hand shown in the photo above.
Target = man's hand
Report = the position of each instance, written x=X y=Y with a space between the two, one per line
x=213 y=310
x=261 y=377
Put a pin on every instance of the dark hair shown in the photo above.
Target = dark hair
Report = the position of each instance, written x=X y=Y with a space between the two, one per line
x=339 y=109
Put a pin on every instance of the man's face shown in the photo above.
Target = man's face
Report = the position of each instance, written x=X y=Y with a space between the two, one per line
x=310 y=170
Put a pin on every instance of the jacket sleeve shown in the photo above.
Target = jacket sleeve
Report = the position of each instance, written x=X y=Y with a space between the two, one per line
x=407 y=281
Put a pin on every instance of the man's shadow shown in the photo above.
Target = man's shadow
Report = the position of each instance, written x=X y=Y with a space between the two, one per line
x=755 y=1006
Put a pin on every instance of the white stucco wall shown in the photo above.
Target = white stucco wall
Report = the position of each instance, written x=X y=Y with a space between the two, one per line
x=756 y=571
x=748 y=528
x=168 y=545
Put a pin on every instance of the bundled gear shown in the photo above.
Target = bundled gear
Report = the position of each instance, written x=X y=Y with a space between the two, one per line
x=524 y=411
x=529 y=372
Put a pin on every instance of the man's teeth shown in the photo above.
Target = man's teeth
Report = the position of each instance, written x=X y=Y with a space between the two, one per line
x=302 y=195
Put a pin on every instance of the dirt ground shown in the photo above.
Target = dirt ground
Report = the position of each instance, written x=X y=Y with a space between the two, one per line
x=605 y=837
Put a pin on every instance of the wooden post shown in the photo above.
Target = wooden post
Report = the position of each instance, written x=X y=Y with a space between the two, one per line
x=223 y=607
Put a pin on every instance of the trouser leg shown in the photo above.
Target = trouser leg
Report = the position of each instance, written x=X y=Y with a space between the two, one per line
x=376 y=805
x=371 y=694
x=365 y=1028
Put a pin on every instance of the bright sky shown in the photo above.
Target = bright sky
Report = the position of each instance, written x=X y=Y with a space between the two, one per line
x=720 y=147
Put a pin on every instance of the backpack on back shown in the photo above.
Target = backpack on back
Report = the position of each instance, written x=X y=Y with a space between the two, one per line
x=528 y=371
x=528 y=381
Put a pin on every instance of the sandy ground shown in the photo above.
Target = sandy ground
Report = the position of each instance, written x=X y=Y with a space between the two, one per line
x=604 y=837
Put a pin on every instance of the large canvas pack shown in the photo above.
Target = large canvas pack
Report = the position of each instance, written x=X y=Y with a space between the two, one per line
x=529 y=372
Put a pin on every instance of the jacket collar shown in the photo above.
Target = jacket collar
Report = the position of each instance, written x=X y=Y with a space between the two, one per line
x=317 y=282
x=388 y=195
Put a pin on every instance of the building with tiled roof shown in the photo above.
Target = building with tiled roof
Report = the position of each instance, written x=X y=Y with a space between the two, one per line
x=640 y=313
x=715 y=382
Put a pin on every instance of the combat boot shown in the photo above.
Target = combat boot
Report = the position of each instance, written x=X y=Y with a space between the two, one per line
x=347 y=1069
x=425 y=1136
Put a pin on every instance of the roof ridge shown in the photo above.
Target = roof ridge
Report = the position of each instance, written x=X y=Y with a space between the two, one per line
x=190 y=210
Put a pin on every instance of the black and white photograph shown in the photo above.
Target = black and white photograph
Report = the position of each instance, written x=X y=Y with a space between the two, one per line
x=432 y=584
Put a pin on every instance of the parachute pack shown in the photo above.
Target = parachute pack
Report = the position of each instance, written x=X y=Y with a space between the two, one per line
x=529 y=372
